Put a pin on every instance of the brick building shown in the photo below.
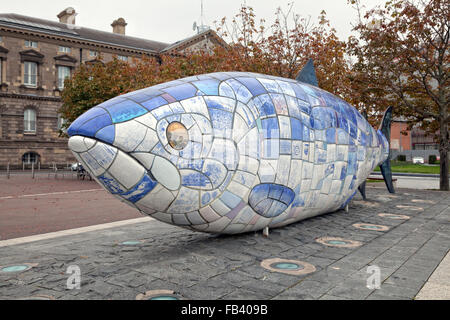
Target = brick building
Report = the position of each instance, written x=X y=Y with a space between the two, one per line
x=411 y=143
x=36 y=56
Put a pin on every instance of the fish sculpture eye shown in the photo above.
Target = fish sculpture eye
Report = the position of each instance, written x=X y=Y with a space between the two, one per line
x=177 y=135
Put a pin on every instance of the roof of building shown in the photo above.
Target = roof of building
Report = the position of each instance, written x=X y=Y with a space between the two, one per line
x=80 y=33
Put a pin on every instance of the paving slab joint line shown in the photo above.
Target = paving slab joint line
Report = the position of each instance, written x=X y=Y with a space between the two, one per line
x=69 y=232
x=428 y=279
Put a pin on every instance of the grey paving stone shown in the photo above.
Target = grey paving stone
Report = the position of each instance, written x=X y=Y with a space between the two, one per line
x=203 y=266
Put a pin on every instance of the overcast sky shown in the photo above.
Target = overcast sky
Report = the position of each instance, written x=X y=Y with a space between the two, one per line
x=171 y=20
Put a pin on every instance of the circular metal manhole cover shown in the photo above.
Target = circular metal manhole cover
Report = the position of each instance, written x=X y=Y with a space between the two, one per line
x=17 y=268
x=292 y=267
x=338 y=242
x=159 y=295
x=372 y=227
x=394 y=216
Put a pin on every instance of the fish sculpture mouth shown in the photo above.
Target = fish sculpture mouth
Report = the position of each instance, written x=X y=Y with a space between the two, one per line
x=121 y=174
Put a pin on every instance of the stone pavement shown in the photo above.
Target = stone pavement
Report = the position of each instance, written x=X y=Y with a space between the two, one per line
x=194 y=265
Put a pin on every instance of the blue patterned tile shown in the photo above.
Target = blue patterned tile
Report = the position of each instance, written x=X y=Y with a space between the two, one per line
x=297 y=129
x=253 y=85
x=154 y=103
x=182 y=91
x=285 y=147
x=265 y=105
x=209 y=87
x=270 y=128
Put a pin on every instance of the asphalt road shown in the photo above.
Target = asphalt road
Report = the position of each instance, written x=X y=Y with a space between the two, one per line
x=42 y=205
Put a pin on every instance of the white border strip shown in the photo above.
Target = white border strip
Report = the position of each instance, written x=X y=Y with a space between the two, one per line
x=69 y=232
x=48 y=194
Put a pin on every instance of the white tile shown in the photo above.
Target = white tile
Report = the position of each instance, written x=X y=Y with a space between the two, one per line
x=195 y=218
x=285 y=127
x=76 y=143
x=305 y=186
x=249 y=144
x=150 y=140
x=180 y=220
x=239 y=128
x=195 y=105
x=233 y=228
x=248 y=164
x=238 y=189
x=219 y=207
x=331 y=153
x=209 y=214
x=218 y=225
x=244 y=216
x=186 y=201
x=158 y=199
x=148 y=120
x=91 y=164
x=318 y=175
x=104 y=154
x=164 y=217
x=244 y=178
x=311 y=152
x=308 y=168
x=146 y=159
x=295 y=176
x=126 y=170
x=166 y=173
x=283 y=170
x=129 y=135
x=335 y=186
x=267 y=170
x=297 y=149
x=89 y=143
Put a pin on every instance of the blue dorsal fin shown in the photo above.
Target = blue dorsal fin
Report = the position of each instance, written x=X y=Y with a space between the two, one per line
x=308 y=74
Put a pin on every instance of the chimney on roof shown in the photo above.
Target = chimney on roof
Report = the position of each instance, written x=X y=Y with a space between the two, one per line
x=119 y=26
x=67 y=16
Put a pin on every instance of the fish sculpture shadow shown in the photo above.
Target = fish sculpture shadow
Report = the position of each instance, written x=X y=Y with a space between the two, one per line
x=231 y=152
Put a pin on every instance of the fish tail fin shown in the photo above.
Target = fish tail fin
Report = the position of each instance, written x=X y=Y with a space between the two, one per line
x=385 y=167
x=362 y=190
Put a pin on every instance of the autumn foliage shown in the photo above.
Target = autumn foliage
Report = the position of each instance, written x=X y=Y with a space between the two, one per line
x=398 y=56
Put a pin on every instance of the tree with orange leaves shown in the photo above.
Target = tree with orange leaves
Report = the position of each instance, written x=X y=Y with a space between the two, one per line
x=283 y=51
x=403 y=59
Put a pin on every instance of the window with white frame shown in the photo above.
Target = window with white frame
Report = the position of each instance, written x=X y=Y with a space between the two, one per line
x=64 y=49
x=30 y=73
x=63 y=73
x=93 y=53
x=29 y=120
x=31 y=44
x=123 y=58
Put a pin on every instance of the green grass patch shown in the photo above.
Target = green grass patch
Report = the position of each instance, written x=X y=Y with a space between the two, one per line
x=401 y=166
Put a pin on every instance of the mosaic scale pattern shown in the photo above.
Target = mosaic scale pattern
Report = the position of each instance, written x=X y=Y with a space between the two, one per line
x=228 y=152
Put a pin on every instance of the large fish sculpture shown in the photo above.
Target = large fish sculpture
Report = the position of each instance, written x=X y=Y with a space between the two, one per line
x=231 y=152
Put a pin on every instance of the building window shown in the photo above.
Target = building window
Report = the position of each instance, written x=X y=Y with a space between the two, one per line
x=31 y=44
x=93 y=53
x=61 y=122
x=29 y=120
x=63 y=73
x=1 y=39
x=30 y=157
x=123 y=58
x=64 y=49
x=30 y=73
